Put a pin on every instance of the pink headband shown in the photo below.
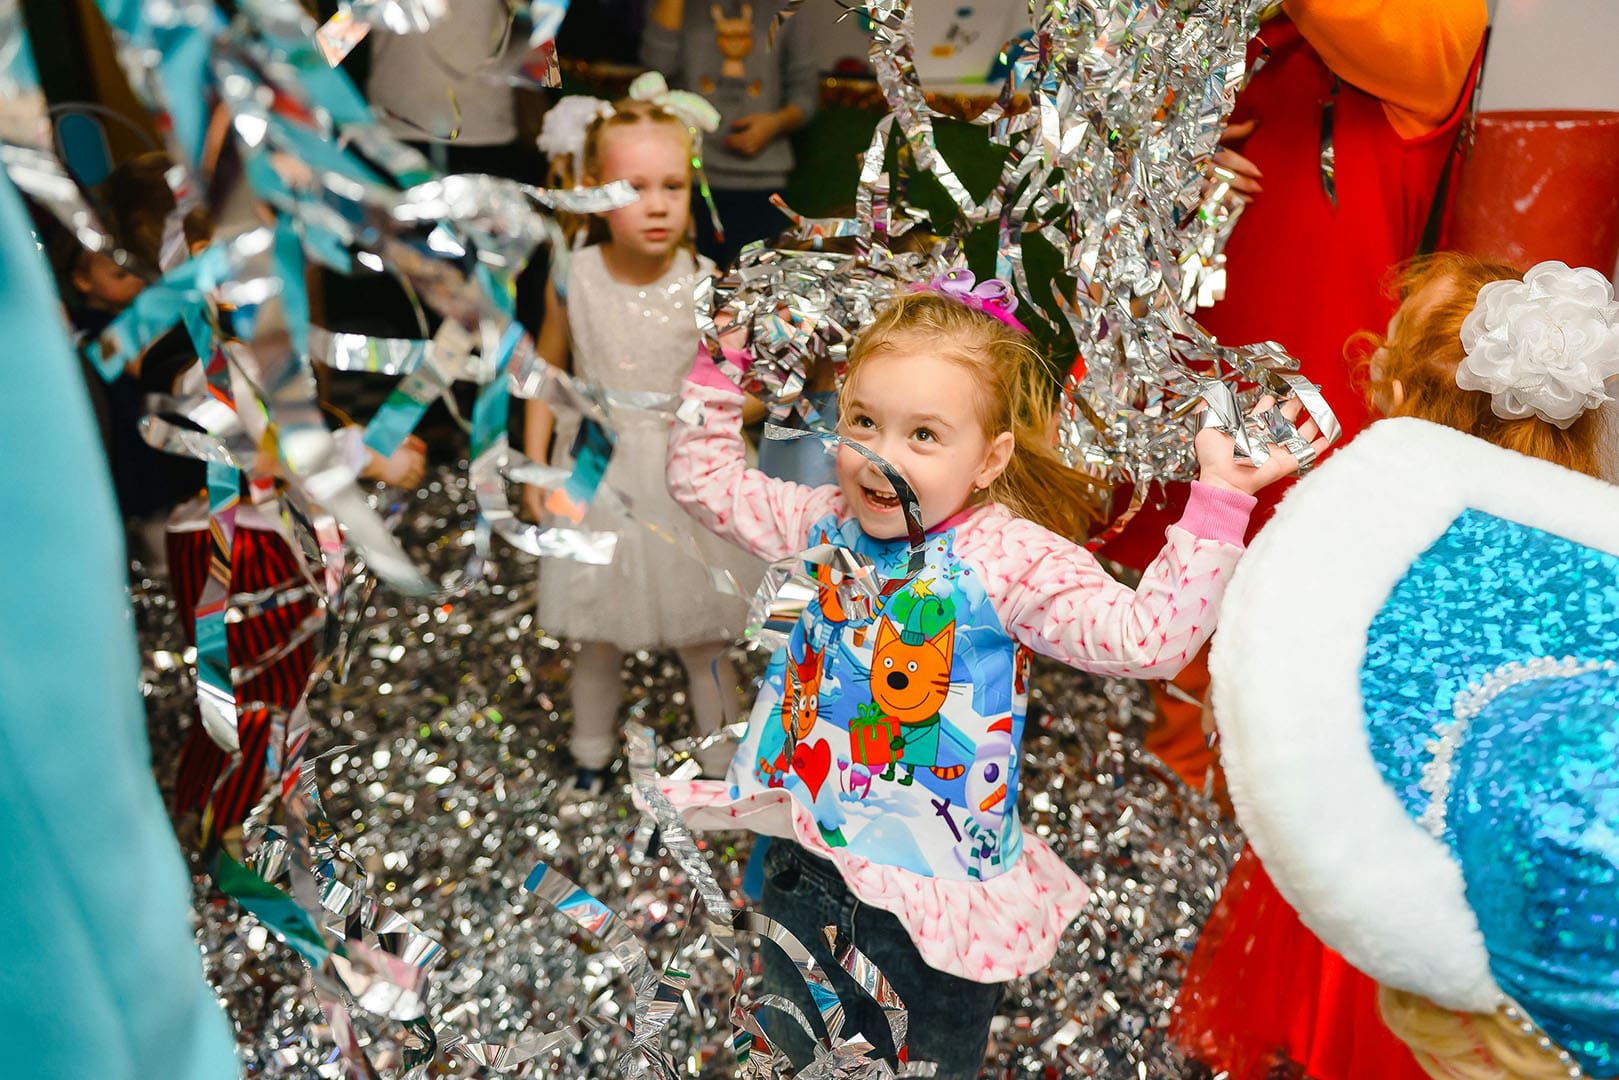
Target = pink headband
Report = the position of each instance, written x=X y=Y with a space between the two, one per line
x=993 y=297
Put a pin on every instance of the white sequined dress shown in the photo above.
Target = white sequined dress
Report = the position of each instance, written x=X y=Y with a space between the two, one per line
x=652 y=595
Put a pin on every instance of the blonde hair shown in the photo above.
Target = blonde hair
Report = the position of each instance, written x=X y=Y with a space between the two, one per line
x=1427 y=350
x=1015 y=393
x=566 y=173
x=1467 y=1046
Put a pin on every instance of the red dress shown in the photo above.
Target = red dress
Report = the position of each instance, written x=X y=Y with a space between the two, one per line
x=260 y=562
x=1261 y=990
x=1263 y=998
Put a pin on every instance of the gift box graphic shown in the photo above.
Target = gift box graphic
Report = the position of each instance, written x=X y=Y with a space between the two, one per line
x=872 y=736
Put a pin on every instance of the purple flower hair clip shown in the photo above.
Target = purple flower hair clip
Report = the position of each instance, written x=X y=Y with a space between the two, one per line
x=993 y=297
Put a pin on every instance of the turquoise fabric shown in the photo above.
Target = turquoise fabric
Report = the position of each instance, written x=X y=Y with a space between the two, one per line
x=1531 y=813
x=1540 y=854
x=101 y=977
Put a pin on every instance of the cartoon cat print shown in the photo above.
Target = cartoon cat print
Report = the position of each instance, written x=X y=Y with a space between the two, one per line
x=910 y=680
x=800 y=708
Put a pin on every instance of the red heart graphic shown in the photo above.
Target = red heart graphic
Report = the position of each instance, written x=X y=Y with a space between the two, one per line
x=812 y=761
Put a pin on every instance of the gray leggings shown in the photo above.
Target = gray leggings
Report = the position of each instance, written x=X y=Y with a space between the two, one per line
x=598 y=691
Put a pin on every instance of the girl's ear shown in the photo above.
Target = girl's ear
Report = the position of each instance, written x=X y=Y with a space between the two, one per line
x=996 y=459
x=1397 y=392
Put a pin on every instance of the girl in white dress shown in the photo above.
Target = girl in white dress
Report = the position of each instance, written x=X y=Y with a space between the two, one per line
x=624 y=321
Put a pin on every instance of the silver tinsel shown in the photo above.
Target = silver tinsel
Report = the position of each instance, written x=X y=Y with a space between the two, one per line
x=440 y=765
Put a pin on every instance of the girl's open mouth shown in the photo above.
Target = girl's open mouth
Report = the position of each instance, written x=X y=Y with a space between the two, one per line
x=880 y=501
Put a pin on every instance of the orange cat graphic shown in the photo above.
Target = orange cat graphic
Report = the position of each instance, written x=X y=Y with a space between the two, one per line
x=910 y=679
x=801 y=699
x=734 y=38
x=827 y=596
x=800 y=707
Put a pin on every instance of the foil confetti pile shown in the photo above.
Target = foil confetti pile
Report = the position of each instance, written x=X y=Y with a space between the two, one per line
x=439 y=765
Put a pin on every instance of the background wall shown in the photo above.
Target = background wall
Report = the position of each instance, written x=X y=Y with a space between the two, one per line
x=1553 y=54
x=833 y=38
x=957 y=42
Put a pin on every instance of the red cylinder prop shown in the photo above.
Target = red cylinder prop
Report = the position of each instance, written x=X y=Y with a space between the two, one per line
x=1540 y=185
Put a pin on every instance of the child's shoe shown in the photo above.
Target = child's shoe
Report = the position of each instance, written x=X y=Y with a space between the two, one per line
x=587 y=784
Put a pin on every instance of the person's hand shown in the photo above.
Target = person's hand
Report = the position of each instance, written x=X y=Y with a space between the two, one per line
x=534 y=502
x=751 y=134
x=404 y=468
x=733 y=335
x=1243 y=174
x=1219 y=468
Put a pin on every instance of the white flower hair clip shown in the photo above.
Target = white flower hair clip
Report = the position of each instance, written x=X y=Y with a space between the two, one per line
x=562 y=132
x=1544 y=346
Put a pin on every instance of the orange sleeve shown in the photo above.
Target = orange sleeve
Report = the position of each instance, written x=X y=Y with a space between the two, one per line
x=1414 y=55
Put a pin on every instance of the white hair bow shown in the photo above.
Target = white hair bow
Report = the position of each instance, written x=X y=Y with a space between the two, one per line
x=563 y=129
x=692 y=109
x=1544 y=346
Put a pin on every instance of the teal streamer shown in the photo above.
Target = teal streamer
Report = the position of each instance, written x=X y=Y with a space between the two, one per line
x=180 y=294
x=279 y=912
x=489 y=412
x=183 y=44
x=330 y=91
x=216 y=690
x=330 y=87
x=403 y=410
x=288 y=254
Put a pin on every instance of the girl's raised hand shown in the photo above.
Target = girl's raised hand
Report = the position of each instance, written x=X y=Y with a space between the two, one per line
x=1218 y=466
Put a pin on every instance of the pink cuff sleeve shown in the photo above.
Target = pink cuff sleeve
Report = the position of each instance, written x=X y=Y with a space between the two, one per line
x=1217 y=514
x=705 y=373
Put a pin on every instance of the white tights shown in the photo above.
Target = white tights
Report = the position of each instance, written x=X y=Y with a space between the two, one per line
x=598 y=691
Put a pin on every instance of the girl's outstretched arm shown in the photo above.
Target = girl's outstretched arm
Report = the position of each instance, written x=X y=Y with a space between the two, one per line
x=1055 y=597
x=708 y=475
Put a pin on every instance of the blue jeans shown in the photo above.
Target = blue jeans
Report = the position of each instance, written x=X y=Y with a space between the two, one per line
x=949 y=1016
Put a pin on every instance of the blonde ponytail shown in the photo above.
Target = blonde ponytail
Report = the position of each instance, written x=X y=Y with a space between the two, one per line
x=1466 y=1046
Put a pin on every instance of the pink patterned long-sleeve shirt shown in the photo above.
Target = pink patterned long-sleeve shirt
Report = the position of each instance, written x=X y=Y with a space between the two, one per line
x=886 y=736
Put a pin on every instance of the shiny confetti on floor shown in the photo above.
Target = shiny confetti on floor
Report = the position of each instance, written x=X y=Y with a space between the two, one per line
x=440 y=762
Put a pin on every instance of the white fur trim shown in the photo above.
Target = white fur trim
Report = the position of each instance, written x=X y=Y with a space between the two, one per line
x=1333 y=836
